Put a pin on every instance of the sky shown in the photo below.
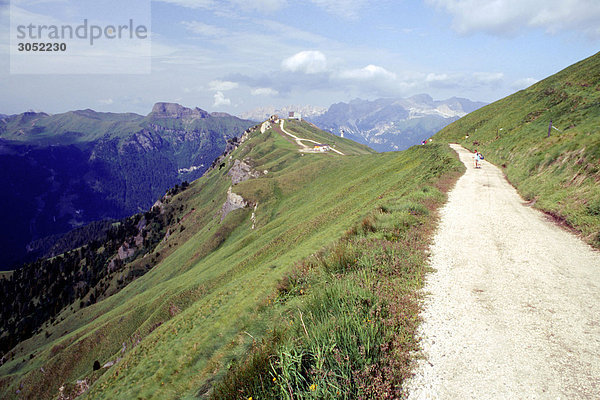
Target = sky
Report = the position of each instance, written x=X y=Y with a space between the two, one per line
x=236 y=55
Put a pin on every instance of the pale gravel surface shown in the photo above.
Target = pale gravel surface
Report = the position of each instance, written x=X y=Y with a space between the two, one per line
x=304 y=148
x=514 y=304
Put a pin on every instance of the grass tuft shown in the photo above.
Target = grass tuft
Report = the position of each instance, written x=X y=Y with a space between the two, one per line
x=350 y=312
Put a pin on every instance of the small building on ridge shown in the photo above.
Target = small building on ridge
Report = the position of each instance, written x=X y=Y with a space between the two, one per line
x=295 y=115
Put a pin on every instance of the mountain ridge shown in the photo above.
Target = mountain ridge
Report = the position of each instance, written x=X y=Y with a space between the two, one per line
x=311 y=287
x=69 y=169
x=263 y=113
x=389 y=124
x=205 y=269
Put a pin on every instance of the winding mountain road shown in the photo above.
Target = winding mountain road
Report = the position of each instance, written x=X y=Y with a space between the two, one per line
x=300 y=140
x=513 y=310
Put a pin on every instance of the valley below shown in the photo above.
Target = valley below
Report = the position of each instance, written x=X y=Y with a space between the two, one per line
x=64 y=171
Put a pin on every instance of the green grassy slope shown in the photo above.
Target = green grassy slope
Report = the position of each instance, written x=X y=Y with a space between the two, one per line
x=307 y=130
x=177 y=330
x=561 y=174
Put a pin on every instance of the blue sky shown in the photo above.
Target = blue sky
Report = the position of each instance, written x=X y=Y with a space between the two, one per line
x=235 y=55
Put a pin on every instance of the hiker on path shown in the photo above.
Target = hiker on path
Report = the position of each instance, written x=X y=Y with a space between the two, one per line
x=476 y=158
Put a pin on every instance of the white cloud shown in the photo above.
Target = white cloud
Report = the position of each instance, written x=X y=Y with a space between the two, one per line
x=106 y=102
x=222 y=86
x=201 y=28
x=433 y=77
x=191 y=3
x=221 y=100
x=264 y=6
x=32 y=2
x=309 y=62
x=264 y=92
x=523 y=83
x=507 y=17
x=488 y=78
x=283 y=31
x=349 y=9
x=369 y=72
x=464 y=80
x=228 y=7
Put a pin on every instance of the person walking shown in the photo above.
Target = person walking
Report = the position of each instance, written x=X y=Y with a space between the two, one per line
x=478 y=157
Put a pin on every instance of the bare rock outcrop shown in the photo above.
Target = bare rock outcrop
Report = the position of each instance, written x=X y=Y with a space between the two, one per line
x=242 y=171
x=233 y=202
x=143 y=141
x=174 y=110
x=253 y=217
x=125 y=251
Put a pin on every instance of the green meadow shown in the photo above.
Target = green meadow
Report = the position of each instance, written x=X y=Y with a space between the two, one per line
x=329 y=272
x=320 y=299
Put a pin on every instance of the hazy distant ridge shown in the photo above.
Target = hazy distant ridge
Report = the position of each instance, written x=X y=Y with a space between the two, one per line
x=393 y=123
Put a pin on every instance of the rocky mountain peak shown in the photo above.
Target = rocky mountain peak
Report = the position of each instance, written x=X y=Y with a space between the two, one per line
x=422 y=98
x=219 y=114
x=28 y=117
x=174 y=110
x=389 y=124
x=262 y=113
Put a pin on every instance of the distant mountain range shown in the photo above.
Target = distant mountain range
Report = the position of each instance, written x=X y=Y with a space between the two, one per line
x=66 y=170
x=225 y=249
x=393 y=124
x=319 y=249
x=263 y=113
x=62 y=171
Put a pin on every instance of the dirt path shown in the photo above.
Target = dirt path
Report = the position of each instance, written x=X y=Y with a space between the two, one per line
x=299 y=141
x=514 y=306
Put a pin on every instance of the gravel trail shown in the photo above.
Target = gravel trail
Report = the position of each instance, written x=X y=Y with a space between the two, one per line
x=513 y=310
x=300 y=140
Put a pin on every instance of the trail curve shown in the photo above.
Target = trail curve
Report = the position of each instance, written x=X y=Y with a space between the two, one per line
x=513 y=310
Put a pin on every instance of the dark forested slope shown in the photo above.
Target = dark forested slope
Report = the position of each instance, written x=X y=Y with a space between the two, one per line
x=60 y=172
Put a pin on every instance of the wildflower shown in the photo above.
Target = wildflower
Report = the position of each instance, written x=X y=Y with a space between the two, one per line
x=250 y=398
x=274 y=379
x=313 y=387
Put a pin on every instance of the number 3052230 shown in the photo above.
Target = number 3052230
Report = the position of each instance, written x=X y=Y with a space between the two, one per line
x=42 y=46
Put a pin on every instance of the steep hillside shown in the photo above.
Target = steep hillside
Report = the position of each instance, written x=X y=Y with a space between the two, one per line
x=63 y=171
x=393 y=124
x=107 y=256
x=254 y=246
x=559 y=174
